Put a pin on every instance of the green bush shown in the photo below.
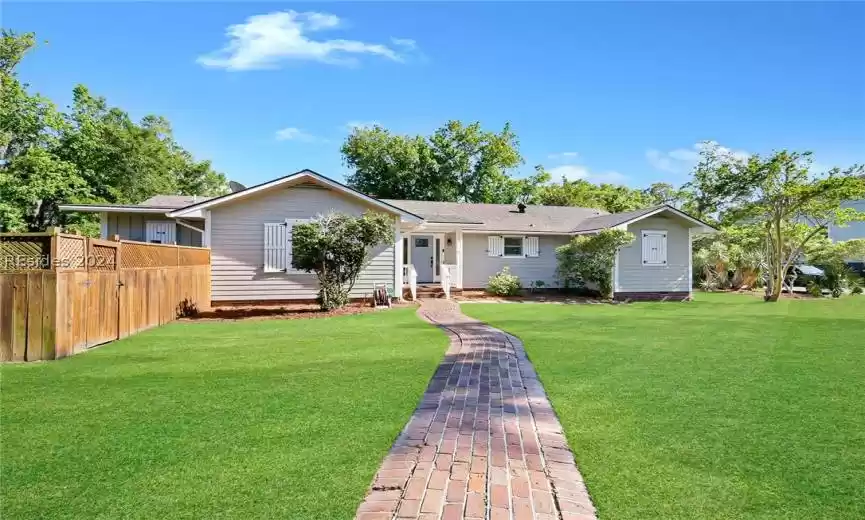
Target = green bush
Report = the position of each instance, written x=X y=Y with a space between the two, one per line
x=504 y=283
x=814 y=289
x=856 y=290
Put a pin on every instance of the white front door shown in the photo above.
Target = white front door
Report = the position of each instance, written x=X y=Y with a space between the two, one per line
x=161 y=232
x=422 y=250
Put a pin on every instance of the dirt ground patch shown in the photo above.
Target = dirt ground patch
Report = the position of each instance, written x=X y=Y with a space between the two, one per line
x=293 y=311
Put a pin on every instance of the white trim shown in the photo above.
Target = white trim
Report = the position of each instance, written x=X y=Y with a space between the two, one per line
x=190 y=226
x=205 y=240
x=458 y=244
x=397 y=264
x=511 y=232
x=411 y=217
x=103 y=225
x=522 y=246
x=616 y=287
x=690 y=262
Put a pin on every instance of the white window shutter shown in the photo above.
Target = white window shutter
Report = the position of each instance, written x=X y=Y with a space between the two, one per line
x=275 y=250
x=654 y=247
x=530 y=247
x=495 y=246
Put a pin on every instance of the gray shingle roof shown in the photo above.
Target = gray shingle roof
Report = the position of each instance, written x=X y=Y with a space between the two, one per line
x=500 y=217
x=612 y=219
x=172 y=201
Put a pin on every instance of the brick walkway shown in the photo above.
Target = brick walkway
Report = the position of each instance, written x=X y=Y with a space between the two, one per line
x=484 y=443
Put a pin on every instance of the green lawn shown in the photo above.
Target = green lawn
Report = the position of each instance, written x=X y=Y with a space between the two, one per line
x=253 y=419
x=721 y=408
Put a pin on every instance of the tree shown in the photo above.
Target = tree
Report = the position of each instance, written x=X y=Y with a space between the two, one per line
x=664 y=193
x=91 y=153
x=590 y=259
x=335 y=247
x=459 y=163
x=778 y=194
x=582 y=193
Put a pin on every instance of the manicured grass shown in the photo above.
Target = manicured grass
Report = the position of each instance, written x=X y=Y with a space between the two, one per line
x=253 y=419
x=721 y=408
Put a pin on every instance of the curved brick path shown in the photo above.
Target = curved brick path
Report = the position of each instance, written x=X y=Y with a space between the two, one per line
x=484 y=443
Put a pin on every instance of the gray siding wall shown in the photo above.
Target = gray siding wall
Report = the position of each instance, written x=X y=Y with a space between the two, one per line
x=851 y=231
x=635 y=277
x=237 y=246
x=133 y=226
x=478 y=267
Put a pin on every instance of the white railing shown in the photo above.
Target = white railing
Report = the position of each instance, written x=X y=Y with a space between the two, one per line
x=409 y=274
x=449 y=278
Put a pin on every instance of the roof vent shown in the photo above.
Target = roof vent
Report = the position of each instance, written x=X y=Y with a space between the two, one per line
x=521 y=207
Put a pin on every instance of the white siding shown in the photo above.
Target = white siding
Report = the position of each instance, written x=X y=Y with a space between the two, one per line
x=237 y=246
x=479 y=267
x=673 y=277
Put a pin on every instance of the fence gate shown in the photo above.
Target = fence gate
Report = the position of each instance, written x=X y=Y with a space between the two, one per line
x=103 y=296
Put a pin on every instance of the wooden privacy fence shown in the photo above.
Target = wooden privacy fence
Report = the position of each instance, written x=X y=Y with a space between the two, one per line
x=61 y=294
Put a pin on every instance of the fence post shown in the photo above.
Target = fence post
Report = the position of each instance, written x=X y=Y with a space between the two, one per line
x=53 y=264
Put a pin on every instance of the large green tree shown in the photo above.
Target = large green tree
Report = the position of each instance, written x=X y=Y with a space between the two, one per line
x=458 y=162
x=91 y=153
x=779 y=195
x=613 y=198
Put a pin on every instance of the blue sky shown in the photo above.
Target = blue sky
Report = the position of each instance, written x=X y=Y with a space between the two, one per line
x=604 y=91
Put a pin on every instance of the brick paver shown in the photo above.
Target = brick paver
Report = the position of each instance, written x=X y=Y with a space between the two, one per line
x=484 y=442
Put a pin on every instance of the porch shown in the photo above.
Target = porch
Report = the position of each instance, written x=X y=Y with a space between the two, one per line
x=432 y=262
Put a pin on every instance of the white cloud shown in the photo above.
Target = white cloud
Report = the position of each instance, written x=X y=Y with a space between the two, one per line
x=294 y=134
x=351 y=125
x=573 y=172
x=682 y=160
x=563 y=155
x=265 y=40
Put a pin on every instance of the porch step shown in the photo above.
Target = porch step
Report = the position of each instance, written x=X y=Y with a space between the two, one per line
x=428 y=292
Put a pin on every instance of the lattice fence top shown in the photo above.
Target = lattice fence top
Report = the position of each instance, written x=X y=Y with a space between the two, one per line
x=33 y=251
x=71 y=252
x=25 y=252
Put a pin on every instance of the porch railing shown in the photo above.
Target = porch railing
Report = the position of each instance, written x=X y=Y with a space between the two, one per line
x=448 y=278
x=409 y=273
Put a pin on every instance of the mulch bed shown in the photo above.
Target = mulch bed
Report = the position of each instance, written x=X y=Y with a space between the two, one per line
x=295 y=311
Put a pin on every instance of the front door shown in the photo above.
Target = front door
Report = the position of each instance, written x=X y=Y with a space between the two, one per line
x=422 y=257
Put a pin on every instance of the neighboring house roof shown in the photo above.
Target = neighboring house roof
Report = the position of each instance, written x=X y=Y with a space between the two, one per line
x=174 y=201
x=499 y=217
x=155 y=204
x=295 y=178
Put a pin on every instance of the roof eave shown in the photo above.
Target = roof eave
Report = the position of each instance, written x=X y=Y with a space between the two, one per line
x=404 y=215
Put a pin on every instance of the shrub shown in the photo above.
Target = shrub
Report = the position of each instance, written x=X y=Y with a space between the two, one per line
x=335 y=248
x=537 y=285
x=814 y=289
x=504 y=283
x=857 y=290
x=590 y=259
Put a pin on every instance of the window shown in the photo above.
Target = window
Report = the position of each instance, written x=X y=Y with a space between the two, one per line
x=513 y=246
x=654 y=247
x=421 y=242
x=405 y=250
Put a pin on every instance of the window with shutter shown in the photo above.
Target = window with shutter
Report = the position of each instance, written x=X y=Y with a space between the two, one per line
x=513 y=246
x=530 y=246
x=275 y=247
x=654 y=247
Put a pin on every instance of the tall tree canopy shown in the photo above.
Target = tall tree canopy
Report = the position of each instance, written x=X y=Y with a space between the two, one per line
x=91 y=153
x=778 y=195
x=614 y=198
x=458 y=162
